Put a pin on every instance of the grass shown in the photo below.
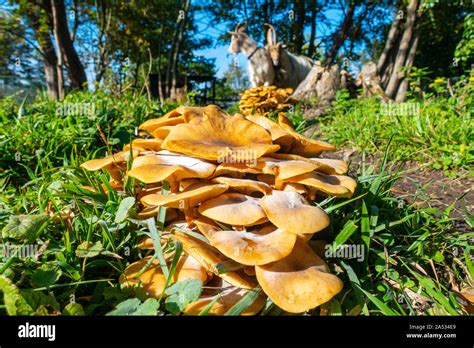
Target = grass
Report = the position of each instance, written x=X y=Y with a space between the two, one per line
x=415 y=260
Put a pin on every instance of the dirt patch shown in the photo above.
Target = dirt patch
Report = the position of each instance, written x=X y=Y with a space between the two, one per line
x=423 y=187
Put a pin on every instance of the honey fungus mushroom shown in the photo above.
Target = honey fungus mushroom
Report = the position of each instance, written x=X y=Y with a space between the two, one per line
x=257 y=247
x=220 y=139
x=299 y=282
x=225 y=300
x=234 y=209
x=209 y=257
x=148 y=275
x=289 y=211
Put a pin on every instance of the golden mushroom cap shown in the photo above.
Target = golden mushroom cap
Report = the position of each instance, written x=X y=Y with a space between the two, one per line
x=189 y=268
x=221 y=139
x=334 y=185
x=289 y=211
x=257 y=247
x=154 y=123
x=197 y=114
x=225 y=300
x=152 y=279
x=284 y=169
x=206 y=226
x=234 y=209
x=209 y=257
x=339 y=166
x=303 y=146
x=279 y=135
x=154 y=168
x=109 y=161
x=246 y=186
x=190 y=197
x=299 y=282
x=326 y=166
x=162 y=132
x=144 y=145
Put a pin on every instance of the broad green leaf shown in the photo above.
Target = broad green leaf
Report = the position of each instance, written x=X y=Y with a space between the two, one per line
x=74 y=309
x=25 y=227
x=15 y=304
x=89 y=249
x=181 y=294
x=45 y=277
x=124 y=208
x=37 y=299
x=149 y=307
x=127 y=307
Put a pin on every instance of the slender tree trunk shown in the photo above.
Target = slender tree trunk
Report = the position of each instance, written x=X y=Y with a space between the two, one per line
x=170 y=57
x=59 y=64
x=341 y=35
x=76 y=71
x=312 y=36
x=103 y=18
x=402 y=89
x=389 y=45
x=50 y=72
x=394 y=81
x=38 y=18
x=174 y=75
x=160 y=85
x=299 y=26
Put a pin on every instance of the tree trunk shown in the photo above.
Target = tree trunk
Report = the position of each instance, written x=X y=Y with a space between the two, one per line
x=174 y=70
x=299 y=26
x=395 y=78
x=37 y=18
x=103 y=19
x=312 y=36
x=408 y=64
x=389 y=45
x=341 y=35
x=59 y=64
x=170 y=57
x=75 y=68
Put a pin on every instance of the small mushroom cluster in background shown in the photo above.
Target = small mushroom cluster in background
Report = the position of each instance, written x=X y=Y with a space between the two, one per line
x=241 y=193
x=265 y=99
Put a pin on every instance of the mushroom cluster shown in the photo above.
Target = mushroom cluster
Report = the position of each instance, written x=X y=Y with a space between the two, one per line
x=241 y=194
x=265 y=99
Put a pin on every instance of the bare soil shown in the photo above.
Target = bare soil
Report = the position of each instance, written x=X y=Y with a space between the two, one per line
x=424 y=187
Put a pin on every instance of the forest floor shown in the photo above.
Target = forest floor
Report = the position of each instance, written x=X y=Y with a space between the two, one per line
x=423 y=187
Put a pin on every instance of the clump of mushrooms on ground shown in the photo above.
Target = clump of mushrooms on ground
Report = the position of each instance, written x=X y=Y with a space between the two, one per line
x=241 y=190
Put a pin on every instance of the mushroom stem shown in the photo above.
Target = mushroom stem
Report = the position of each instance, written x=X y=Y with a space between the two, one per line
x=279 y=184
x=174 y=185
x=189 y=215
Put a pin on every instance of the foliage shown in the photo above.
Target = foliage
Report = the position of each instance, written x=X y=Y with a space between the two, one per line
x=465 y=48
x=37 y=137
